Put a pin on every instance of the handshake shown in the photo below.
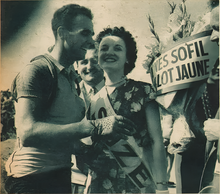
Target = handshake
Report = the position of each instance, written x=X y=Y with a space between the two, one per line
x=108 y=128
x=112 y=126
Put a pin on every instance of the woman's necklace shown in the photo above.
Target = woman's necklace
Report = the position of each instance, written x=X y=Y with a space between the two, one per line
x=118 y=83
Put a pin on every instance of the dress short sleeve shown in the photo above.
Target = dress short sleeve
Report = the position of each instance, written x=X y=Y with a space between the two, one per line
x=149 y=91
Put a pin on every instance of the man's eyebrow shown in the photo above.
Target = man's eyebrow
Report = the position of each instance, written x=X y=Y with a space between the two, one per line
x=82 y=30
x=88 y=31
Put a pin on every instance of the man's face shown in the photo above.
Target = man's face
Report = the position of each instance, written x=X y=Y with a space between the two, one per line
x=79 y=39
x=214 y=22
x=89 y=69
x=214 y=74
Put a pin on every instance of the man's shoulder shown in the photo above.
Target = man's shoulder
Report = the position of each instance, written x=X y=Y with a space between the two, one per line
x=36 y=72
x=37 y=65
x=35 y=79
x=40 y=62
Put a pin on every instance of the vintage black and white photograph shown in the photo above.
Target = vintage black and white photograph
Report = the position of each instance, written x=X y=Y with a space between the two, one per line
x=110 y=96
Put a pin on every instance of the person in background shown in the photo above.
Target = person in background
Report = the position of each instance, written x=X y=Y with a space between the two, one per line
x=92 y=81
x=117 y=55
x=49 y=112
x=191 y=175
x=167 y=127
x=92 y=75
x=211 y=175
x=212 y=131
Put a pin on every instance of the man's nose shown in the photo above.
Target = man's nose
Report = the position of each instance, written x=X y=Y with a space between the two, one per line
x=91 y=43
x=214 y=36
x=90 y=65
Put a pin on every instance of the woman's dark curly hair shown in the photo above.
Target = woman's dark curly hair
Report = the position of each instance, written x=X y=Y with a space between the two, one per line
x=129 y=42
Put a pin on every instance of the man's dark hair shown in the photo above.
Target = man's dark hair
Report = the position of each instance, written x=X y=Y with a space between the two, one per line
x=129 y=42
x=213 y=3
x=65 y=15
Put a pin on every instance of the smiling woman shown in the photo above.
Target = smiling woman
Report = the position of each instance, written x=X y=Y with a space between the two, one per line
x=134 y=100
x=122 y=44
x=112 y=55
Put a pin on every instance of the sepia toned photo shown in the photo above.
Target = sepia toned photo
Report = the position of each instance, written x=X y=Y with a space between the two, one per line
x=110 y=96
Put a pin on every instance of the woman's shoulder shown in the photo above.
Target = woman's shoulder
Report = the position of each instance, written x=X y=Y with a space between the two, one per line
x=139 y=82
x=147 y=88
x=142 y=84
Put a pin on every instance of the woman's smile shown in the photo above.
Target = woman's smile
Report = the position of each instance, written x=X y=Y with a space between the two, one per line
x=110 y=59
x=112 y=54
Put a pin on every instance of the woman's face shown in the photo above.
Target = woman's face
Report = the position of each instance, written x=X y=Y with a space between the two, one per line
x=112 y=54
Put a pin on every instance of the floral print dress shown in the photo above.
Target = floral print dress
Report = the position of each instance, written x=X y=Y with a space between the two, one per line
x=128 y=100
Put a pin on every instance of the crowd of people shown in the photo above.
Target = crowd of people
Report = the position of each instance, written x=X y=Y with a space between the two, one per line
x=96 y=131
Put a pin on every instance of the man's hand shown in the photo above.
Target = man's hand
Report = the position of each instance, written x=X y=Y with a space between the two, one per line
x=115 y=126
x=212 y=129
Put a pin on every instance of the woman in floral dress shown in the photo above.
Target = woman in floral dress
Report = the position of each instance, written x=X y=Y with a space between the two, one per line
x=122 y=168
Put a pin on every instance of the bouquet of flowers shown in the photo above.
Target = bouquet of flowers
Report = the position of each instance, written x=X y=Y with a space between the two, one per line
x=178 y=103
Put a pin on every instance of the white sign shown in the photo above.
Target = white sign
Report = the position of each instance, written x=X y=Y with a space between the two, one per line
x=187 y=62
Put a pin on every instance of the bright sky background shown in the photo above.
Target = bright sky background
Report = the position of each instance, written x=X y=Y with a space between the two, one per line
x=36 y=36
